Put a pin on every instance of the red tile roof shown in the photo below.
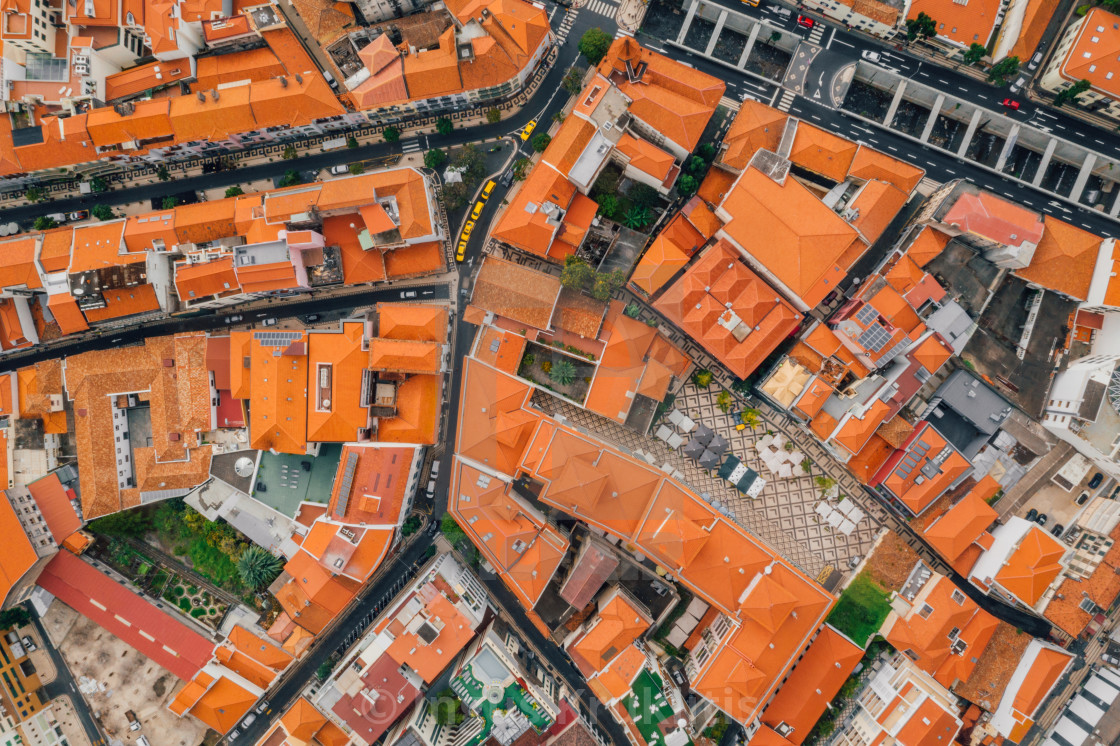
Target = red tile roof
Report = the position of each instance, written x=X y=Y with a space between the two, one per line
x=167 y=641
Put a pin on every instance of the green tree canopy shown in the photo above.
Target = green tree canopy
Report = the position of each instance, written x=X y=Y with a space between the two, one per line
x=921 y=27
x=135 y=522
x=234 y=191
x=444 y=126
x=541 y=141
x=102 y=212
x=1069 y=95
x=169 y=203
x=493 y=115
x=34 y=194
x=1003 y=70
x=594 y=43
x=563 y=372
x=577 y=274
x=608 y=205
x=257 y=567
x=356 y=168
x=687 y=186
x=975 y=53
x=573 y=79
x=392 y=134
x=44 y=223
x=435 y=158
x=163 y=174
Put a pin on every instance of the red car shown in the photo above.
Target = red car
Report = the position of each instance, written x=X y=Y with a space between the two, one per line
x=1011 y=104
x=805 y=22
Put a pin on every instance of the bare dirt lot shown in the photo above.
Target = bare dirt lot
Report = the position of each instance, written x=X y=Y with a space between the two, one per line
x=126 y=680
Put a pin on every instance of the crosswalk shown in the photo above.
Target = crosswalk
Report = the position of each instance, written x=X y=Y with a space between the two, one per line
x=565 y=26
x=730 y=103
x=817 y=32
x=786 y=100
x=602 y=7
x=411 y=146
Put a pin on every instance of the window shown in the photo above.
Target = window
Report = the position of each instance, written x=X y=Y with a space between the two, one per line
x=958 y=597
x=910 y=654
x=926 y=610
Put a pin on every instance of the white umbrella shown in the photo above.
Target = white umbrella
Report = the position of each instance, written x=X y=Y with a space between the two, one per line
x=785 y=471
x=663 y=433
x=847 y=527
x=835 y=519
x=856 y=515
x=823 y=509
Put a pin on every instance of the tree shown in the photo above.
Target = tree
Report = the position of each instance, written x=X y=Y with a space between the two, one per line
x=573 y=79
x=1069 y=95
x=356 y=168
x=752 y=418
x=577 y=273
x=451 y=530
x=707 y=151
x=435 y=158
x=102 y=212
x=234 y=191
x=824 y=483
x=643 y=195
x=606 y=283
x=696 y=165
x=289 y=152
x=608 y=205
x=169 y=203
x=98 y=184
x=291 y=177
x=493 y=115
x=702 y=378
x=541 y=141
x=521 y=168
x=472 y=162
x=558 y=116
x=975 y=53
x=563 y=372
x=351 y=142
x=1003 y=70
x=723 y=401
x=411 y=525
x=455 y=195
x=687 y=186
x=775 y=37
x=448 y=708
x=392 y=134
x=44 y=223
x=163 y=174
x=444 y=126
x=594 y=43
x=636 y=217
x=258 y=567
x=323 y=672
x=125 y=523
x=17 y=616
x=922 y=27
x=34 y=194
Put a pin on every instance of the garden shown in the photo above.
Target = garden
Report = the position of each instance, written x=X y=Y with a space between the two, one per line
x=566 y=373
x=861 y=610
x=197 y=602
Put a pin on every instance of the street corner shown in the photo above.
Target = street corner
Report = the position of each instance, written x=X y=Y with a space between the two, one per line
x=800 y=67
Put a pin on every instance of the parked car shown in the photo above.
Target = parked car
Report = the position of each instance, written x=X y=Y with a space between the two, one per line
x=263 y=705
x=1018 y=84
x=233 y=319
x=528 y=130
x=435 y=468
x=870 y=55
x=1034 y=61
x=1058 y=530
x=805 y=22
x=476 y=213
x=1010 y=103
x=431 y=489
x=1096 y=481
x=507 y=178
x=1042 y=518
x=233 y=734
x=467 y=229
x=79 y=215
x=269 y=322
x=461 y=251
x=249 y=720
x=1032 y=514
x=487 y=189
x=1082 y=498
x=311 y=318
x=408 y=294
x=339 y=170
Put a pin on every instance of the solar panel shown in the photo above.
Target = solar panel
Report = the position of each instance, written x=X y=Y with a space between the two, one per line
x=277 y=339
x=347 y=483
x=874 y=338
x=867 y=314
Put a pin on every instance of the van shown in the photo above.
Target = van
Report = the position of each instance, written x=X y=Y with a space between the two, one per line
x=330 y=79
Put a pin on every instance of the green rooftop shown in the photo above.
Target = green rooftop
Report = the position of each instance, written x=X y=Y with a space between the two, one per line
x=648 y=707
x=287 y=483
x=514 y=697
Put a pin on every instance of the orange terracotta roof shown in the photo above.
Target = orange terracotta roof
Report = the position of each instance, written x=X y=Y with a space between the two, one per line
x=404 y=356
x=790 y=232
x=17 y=263
x=994 y=218
x=149 y=120
x=54 y=255
x=524 y=549
x=955 y=531
x=378 y=482
x=927 y=246
x=645 y=156
x=417 y=259
x=17 y=555
x=1034 y=564
x=302 y=720
x=932 y=352
x=256 y=64
x=223 y=705
x=872 y=164
x=856 y=431
x=516 y=292
x=206 y=279
x=666 y=255
x=412 y=322
x=698 y=304
x=336 y=369
x=500 y=348
x=716 y=185
x=903 y=481
x=816 y=679
x=613 y=682
x=877 y=204
x=822 y=152
x=756 y=127
x=1092 y=56
x=434 y=72
x=930 y=723
x=1064 y=259
x=617 y=624
x=417 y=418
x=124 y=302
x=569 y=143
x=1047 y=668
x=312 y=596
x=98 y=246
x=278 y=390
x=526 y=223
x=136 y=80
x=973 y=25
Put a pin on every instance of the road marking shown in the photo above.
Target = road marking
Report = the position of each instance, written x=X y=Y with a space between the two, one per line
x=841 y=41
x=891 y=147
x=950 y=171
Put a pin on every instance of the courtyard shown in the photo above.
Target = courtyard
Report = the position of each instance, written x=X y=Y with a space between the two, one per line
x=784 y=514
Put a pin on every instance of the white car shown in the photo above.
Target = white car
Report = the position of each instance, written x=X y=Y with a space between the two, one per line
x=339 y=170
x=870 y=55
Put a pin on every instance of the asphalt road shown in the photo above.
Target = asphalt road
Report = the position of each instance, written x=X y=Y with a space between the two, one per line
x=280 y=309
x=65 y=686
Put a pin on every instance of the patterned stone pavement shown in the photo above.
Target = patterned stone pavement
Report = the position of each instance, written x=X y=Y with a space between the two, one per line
x=782 y=515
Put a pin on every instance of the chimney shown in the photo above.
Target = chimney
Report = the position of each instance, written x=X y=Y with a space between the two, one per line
x=299 y=78
x=283 y=82
x=201 y=96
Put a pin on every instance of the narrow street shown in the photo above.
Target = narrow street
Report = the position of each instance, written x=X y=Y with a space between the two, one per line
x=65 y=686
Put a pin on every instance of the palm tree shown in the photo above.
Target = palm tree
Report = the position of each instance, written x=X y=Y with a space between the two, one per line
x=563 y=372
x=257 y=567
x=636 y=217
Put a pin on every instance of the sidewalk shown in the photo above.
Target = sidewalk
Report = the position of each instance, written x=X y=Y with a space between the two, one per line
x=630 y=15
